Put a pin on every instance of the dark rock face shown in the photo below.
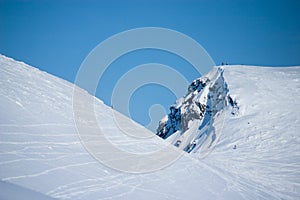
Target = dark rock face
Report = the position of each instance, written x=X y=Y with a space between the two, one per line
x=234 y=105
x=205 y=98
x=181 y=114
x=171 y=125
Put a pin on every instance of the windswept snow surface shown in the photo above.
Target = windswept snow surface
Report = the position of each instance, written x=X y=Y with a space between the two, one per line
x=258 y=148
x=258 y=151
x=257 y=154
x=40 y=149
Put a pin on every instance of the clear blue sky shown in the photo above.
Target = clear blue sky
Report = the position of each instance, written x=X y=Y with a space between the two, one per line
x=56 y=36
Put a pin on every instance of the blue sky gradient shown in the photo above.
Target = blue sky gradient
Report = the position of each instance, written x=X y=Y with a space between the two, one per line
x=56 y=36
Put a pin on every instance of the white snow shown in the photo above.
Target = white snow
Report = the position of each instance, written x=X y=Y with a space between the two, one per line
x=41 y=153
x=266 y=161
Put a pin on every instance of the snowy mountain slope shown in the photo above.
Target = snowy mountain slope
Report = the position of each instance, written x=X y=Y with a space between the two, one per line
x=15 y=192
x=41 y=152
x=258 y=148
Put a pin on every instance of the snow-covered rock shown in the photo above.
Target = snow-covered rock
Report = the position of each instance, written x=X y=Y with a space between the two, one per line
x=191 y=122
x=256 y=155
x=257 y=144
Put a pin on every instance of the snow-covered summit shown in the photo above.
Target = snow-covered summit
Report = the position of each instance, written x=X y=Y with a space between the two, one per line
x=247 y=118
x=256 y=154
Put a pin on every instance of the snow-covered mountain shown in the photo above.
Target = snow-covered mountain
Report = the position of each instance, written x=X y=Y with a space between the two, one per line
x=255 y=155
x=247 y=118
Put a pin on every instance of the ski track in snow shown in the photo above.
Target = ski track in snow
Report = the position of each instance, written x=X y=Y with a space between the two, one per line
x=40 y=149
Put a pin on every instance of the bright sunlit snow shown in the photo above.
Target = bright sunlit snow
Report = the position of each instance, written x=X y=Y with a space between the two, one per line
x=256 y=153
